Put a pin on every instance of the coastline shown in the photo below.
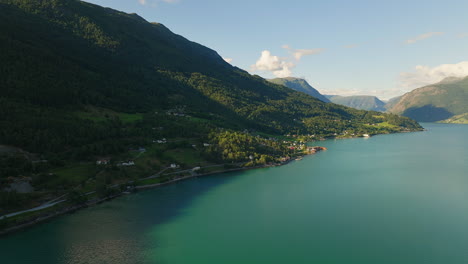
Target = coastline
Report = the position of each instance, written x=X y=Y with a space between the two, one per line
x=46 y=216
x=41 y=218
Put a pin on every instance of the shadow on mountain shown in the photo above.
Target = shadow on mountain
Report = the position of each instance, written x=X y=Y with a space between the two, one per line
x=427 y=113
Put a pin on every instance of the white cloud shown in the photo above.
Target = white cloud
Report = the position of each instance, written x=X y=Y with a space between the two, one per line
x=421 y=76
x=280 y=67
x=423 y=36
x=228 y=60
x=463 y=35
x=425 y=75
x=299 y=53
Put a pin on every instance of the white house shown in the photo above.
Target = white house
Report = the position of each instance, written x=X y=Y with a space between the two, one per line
x=128 y=163
x=103 y=161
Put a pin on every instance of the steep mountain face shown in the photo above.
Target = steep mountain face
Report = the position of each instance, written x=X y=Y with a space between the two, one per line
x=364 y=102
x=80 y=79
x=435 y=102
x=300 y=85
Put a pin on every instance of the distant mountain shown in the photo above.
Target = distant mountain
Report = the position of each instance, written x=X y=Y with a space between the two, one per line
x=300 y=85
x=364 y=102
x=392 y=102
x=435 y=102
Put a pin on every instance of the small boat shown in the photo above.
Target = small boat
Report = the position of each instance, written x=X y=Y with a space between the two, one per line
x=299 y=158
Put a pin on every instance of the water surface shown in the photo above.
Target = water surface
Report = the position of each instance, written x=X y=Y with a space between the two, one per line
x=395 y=199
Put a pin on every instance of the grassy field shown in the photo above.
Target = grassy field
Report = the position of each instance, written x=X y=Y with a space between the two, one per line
x=458 y=119
x=148 y=181
x=101 y=114
x=130 y=118
x=383 y=124
x=188 y=156
x=74 y=174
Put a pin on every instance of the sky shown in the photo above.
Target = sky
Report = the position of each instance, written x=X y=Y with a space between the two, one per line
x=360 y=47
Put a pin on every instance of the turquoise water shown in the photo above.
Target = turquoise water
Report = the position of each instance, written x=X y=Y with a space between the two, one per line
x=396 y=199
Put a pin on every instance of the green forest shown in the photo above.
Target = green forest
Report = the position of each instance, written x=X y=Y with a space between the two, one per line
x=80 y=82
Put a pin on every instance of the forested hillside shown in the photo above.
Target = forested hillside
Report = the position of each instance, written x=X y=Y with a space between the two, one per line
x=71 y=55
x=80 y=82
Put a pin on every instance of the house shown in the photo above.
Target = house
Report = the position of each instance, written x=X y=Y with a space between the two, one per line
x=103 y=161
x=173 y=166
x=128 y=163
x=206 y=144
x=196 y=168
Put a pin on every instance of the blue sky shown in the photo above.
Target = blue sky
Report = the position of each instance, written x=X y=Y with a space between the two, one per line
x=382 y=48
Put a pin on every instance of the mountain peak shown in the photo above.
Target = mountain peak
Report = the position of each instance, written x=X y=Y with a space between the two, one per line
x=300 y=85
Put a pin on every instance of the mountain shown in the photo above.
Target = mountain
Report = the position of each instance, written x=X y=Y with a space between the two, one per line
x=364 y=102
x=66 y=64
x=392 y=102
x=435 y=102
x=93 y=97
x=300 y=85
x=457 y=119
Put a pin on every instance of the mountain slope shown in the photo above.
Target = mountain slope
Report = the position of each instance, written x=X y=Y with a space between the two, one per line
x=300 y=85
x=364 y=102
x=435 y=102
x=85 y=90
x=392 y=102
x=457 y=119
x=65 y=61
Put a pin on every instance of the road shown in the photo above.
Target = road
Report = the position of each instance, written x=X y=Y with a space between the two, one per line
x=46 y=205
x=57 y=200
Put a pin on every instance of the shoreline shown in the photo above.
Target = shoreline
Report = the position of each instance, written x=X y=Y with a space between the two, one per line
x=42 y=218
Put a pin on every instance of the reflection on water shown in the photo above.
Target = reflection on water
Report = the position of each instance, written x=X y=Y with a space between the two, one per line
x=104 y=251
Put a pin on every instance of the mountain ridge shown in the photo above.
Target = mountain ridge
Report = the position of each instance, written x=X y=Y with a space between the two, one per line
x=363 y=102
x=300 y=85
x=435 y=102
